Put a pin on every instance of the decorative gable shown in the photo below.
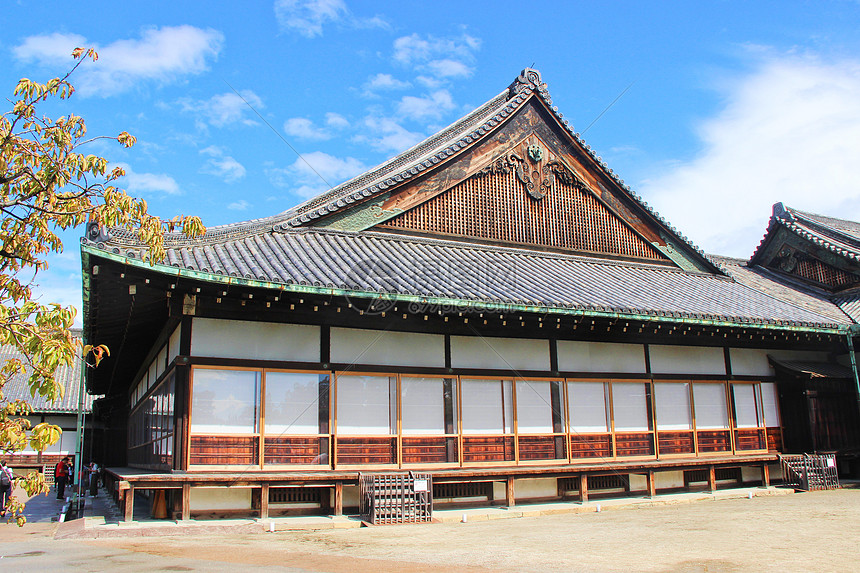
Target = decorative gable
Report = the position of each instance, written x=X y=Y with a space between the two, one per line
x=529 y=197
x=511 y=172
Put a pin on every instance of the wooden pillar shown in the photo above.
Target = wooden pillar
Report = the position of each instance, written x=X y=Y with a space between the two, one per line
x=264 y=501
x=652 y=484
x=129 y=504
x=510 y=499
x=712 y=479
x=186 y=501
x=338 y=498
x=765 y=475
x=583 y=488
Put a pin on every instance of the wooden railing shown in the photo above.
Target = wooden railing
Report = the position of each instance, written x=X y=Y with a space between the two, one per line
x=488 y=449
x=412 y=450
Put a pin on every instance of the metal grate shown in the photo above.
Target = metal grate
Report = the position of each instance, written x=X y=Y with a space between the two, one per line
x=728 y=474
x=296 y=494
x=810 y=472
x=609 y=482
x=396 y=498
x=568 y=484
x=463 y=489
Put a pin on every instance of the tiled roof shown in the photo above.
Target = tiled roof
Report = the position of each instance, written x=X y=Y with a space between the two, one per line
x=412 y=163
x=784 y=287
x=368 y=262
x=69 y=376
x=836 y=235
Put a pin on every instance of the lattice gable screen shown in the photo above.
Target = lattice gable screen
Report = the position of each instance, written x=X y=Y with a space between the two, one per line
x=519 y=200
x=798 y=263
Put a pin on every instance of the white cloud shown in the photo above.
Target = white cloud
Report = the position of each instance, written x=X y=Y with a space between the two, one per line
x=384 y=82
x=315 y=172
x=442 y=57
x=142 y=183
x=790 y=132
x=222 y=165
x=336 y=120
x=448 y=68
x=432 y=106
x=390 y=136
x=225 y=109
x=240 y=205
x=308 y=16
x=305 y=129
x=160 y=54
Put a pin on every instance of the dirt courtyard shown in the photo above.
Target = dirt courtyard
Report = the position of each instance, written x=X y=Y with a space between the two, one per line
x=810 y=531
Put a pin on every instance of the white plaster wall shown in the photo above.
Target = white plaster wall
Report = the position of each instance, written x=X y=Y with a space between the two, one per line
x=499 y=353
x=775 y=472
x=173 y=344
x=351 y=496
x=500 y=490
x=669 y=480
x=638 y=482
x=527 y=488
x=750 y=362
x=211 y=498
x=576 y=356
x=750 y=474
x=255 y=340
x=359 y=346
x=686 y=360
x=753 y=361
x=67 y=421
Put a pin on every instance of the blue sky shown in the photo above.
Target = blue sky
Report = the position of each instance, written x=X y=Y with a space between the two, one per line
x=731 y=106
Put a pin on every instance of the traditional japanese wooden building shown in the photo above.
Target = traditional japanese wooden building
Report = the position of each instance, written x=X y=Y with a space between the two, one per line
x=62 y=413
x=494 y=306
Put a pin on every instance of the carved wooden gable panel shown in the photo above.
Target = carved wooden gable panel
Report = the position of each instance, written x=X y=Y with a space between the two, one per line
x=798 y=263
x=527 y=197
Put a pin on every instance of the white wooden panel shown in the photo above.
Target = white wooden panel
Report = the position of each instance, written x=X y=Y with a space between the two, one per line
x=770 y=404
x=387 y=348
x=686 y=360
x=255 y=340
x=499 y=353
x=600 y=357
x=750 y=362
x=423 y=405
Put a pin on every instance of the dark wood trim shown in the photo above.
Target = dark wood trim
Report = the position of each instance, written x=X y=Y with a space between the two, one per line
x=180 y=417
x=325 y=344
x=553 y=355
x=185 y=336
x=728 y=359
x=647 y=353
x=448 y=351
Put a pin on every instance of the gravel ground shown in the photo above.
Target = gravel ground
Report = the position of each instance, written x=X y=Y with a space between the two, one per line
x=810 y=531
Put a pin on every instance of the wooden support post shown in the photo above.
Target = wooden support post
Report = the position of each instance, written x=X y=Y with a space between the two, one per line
x=765 y=475
x=264 y=501
x=186 y=501
x=583 y=488
x=510 y=499
x=129 y=504
x=652 y=483
x=712 y=479
x=338 y=498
